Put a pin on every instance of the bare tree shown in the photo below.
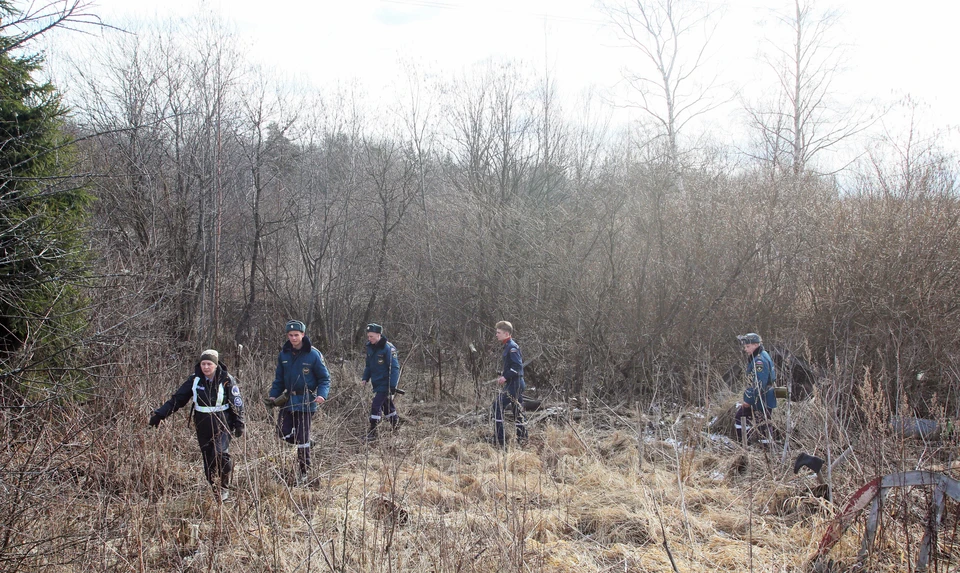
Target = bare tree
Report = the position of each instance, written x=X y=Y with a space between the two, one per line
x=266 y=119
x=804 y=119
x=673 y=37
x=19 y=27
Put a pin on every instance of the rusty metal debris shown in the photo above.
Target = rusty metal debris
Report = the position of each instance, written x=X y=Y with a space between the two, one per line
x=872 y=494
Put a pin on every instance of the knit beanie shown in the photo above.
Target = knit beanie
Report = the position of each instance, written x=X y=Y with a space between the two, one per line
x=211 y=355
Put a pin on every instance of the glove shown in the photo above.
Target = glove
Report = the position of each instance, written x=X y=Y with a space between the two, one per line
x=269 y=401
x=155 y=420
x=238 y=431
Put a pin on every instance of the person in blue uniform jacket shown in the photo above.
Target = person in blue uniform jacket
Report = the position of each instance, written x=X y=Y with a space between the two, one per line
x=759 y=397
x=383 y=372
x=303 y=376
x=511 y=386
x=217 y=411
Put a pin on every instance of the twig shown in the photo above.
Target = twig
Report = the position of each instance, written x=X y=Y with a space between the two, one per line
x=666 y=547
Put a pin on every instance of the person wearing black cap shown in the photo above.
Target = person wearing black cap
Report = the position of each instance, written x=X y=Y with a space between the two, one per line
x=511 y=386
x=383 y=372
x=301 y=374
x=217 y=411
x=759 y=398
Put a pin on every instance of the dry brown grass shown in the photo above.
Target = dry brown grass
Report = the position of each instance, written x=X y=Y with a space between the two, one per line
x=436 y=497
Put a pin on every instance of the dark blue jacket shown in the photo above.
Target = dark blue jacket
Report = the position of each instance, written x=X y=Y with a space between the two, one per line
x=383 y=367
x=761 y=380
x=304 y=376
x=512 y=366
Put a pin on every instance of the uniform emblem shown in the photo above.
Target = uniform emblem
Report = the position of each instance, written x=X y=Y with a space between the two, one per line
x=306 y=370
x=238 y=402
x=380 y=360
x=759 y=364
x=235 y=391
x=512 y=350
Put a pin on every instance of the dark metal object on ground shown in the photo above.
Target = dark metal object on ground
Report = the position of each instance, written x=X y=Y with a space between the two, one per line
x=813 y=463
x=922 y=428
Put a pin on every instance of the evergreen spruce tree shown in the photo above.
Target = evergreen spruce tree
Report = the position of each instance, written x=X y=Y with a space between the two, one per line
x=42 y=215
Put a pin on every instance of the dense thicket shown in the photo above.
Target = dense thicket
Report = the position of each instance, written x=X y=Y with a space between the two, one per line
x=227 y=204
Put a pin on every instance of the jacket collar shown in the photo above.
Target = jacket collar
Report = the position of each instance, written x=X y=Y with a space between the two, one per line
x=305 y=347
x=219 y=375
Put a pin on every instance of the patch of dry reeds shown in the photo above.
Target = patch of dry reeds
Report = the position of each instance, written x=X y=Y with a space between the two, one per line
x=87 y=490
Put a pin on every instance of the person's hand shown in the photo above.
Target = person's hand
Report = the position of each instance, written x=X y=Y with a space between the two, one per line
x=361 y=382
x=320 y=400
x=269 y=401
x=155 y=420
x=238 y=431
x=501 y=380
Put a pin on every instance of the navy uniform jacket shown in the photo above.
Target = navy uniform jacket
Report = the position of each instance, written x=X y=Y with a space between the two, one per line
x=512 y=366
x=304 y=376
x=383 y=367
x=222 y=392
x=761 y=377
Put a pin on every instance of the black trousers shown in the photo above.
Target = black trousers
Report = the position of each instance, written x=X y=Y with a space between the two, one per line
x=214 y=439
x=383 y=407
x=294 y=428
x=509 y=397
x=754 y=421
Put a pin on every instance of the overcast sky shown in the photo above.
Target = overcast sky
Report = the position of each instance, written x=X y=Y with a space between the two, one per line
x=894 y=49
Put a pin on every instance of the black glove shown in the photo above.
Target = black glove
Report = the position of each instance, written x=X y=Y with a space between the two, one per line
x=238 y=431
x=397 y=391
x=155 y=420
x=269 y=401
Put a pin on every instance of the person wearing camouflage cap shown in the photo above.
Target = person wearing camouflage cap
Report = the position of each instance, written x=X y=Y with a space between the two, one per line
x=759 y=397
x=217 y=411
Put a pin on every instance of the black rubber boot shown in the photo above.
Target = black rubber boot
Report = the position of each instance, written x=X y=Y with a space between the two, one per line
x=372 y=432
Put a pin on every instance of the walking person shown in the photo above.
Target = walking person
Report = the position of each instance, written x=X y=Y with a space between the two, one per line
x=383 y=372
x=303 y=376
x=511 y=386
x=217 y=411
x=759 y=397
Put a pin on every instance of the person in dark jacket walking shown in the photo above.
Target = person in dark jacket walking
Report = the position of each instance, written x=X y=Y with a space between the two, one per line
x=217 y=411
x=511 y=386
x=759 y=397
x=383 y=372
x=301 y=374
